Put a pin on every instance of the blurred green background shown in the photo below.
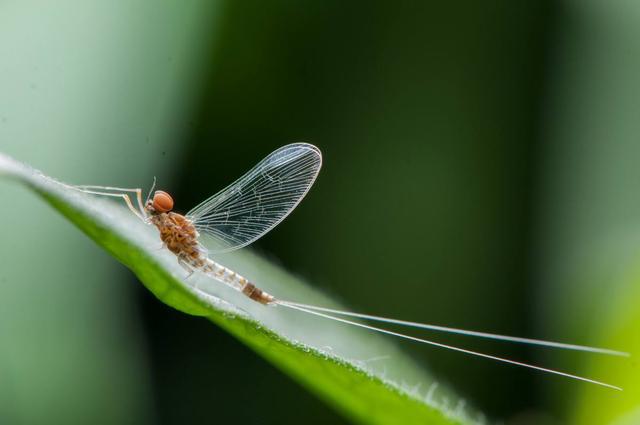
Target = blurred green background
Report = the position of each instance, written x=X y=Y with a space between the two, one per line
x=481 y=162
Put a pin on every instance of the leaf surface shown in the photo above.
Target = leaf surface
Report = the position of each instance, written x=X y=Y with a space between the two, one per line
x=360 y=374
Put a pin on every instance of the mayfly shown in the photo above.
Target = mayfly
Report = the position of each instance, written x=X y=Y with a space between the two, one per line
x=249 y=208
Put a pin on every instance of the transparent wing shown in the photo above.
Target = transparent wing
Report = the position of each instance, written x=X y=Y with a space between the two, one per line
x=259 y=200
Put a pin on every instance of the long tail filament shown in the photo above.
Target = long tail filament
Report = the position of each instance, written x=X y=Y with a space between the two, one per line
x=323 y=312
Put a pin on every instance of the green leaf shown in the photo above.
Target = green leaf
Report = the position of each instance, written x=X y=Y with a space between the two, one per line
x=360 y=374
x=616 y=327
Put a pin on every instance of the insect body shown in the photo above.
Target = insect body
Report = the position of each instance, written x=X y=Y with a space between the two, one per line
x=181 y=237
x=232 y=218
x=253 y=205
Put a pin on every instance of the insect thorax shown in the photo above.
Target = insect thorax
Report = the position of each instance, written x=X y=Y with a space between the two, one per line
x=178 y=234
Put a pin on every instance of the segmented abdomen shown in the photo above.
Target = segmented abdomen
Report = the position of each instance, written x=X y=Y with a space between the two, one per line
x=223 y=274
x=236 y=281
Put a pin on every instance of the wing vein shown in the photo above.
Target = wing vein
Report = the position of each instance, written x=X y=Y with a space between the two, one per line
x=255 y=203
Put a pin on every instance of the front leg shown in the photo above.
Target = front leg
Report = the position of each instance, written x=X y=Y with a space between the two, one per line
x=116 y=192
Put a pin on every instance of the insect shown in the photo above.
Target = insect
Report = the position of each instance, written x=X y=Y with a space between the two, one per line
x=249 y=208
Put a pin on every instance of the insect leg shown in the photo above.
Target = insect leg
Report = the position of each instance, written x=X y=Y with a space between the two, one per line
x=137 y=191
x=140 y=214
x=188 y=268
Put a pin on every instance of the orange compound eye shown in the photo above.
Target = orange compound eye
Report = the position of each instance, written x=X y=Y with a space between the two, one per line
x=162 y=201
